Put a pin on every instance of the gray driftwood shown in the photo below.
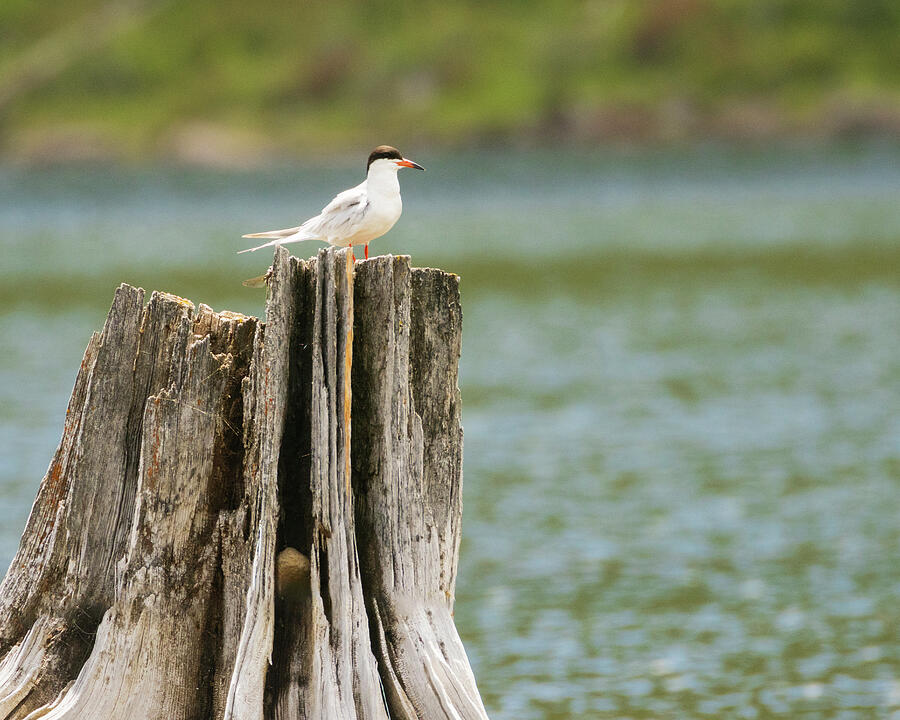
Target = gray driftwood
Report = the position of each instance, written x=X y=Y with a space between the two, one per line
x=249 y=520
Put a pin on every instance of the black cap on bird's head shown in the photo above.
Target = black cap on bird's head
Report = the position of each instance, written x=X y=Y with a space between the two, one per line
x=386 y=152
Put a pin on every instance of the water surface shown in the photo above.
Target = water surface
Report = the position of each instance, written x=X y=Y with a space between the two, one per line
x=680 y=383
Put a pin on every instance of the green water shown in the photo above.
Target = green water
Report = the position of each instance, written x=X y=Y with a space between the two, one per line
x=681 y=389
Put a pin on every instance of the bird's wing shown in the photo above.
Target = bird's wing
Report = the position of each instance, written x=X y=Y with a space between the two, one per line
x=342 y=216
x=339 y=218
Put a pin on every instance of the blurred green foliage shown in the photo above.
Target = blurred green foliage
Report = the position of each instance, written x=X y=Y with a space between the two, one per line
x=284 y=74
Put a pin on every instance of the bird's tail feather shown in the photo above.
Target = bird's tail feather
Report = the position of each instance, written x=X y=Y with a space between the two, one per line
x=277 y=241
x=274 y=233
x=281 y=240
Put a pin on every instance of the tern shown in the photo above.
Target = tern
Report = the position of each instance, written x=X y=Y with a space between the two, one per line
x=356 y=216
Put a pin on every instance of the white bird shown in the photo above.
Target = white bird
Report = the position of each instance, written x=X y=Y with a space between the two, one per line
x=356 y=216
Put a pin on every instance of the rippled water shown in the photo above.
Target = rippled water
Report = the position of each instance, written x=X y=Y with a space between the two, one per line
x=681 y=383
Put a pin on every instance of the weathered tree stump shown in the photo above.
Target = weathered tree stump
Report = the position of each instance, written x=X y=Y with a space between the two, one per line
x=249 y=520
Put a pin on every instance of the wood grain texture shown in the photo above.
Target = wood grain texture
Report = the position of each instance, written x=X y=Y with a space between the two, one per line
x=248 y=520
x=407 y=458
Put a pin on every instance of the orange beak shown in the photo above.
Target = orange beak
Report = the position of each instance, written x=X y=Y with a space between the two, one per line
x=409 y=164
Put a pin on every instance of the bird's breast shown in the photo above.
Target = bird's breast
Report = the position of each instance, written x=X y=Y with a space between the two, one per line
x=383 y=212
x=386 y=207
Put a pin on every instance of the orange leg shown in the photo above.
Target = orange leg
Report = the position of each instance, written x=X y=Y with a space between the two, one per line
x=352 y=254
x=367 y=251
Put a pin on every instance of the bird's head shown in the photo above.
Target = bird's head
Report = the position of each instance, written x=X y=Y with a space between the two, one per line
x=385 y=157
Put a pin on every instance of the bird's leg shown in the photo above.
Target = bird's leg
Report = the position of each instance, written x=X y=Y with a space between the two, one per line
x=352 y=254
x=367 y=251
